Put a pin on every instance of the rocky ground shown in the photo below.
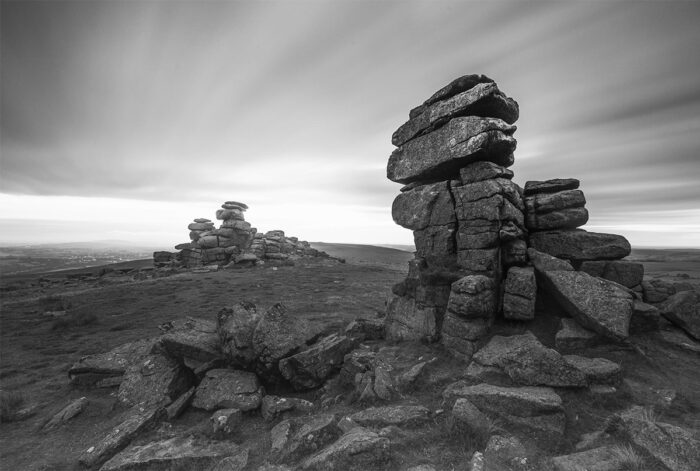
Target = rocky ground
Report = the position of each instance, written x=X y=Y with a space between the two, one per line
x=315 y=394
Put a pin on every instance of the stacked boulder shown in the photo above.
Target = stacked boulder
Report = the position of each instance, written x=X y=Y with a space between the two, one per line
x=483 y=244
x=466 y=214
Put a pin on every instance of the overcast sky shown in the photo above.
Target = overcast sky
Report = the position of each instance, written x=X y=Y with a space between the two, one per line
x=126 y=120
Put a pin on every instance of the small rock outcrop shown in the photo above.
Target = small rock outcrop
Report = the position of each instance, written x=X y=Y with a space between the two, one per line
x=235 y=243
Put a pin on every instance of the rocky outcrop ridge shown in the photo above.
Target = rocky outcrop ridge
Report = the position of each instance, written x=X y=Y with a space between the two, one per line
x=234 y=243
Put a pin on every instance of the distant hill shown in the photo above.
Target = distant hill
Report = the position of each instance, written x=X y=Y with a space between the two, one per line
x=361 y=254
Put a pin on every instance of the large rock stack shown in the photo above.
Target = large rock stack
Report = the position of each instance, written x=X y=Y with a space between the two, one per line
x=476 y=231
x=466 y=214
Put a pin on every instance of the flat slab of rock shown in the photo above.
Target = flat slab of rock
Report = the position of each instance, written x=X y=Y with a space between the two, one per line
x=194 y=338
x=527 y=362
x=598 y=459
x=401 y=416
x=483 y=99
x=93 y=368
x=155 y=380
x=596 y=304
x=537 y=410
x=683 y=310
x=580 y=245
x=674 y=446
x=598 y=371
x=135 y=421
x=544 y=262
x=572 y=337
x=440 y=154
x=228 y=389
x=310 y=368
x=180 y=453
x=550 y=186
x=357 y=450
x=293 y=439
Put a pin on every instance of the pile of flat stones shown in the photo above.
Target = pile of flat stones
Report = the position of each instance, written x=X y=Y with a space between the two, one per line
x=483 y=243
x=234 y=243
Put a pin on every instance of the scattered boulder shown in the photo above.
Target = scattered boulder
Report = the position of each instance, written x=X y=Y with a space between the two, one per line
x=683 y=310
x=309 y=368
x=401 y=415
x=357 y=450
x=235 y=326
x=181 y=453
x=228 y=389
x=657 y=291
x=596 y=304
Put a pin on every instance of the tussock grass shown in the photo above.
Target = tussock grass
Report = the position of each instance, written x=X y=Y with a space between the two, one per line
x=630 y=460
x=648 y=414
x=11 y=403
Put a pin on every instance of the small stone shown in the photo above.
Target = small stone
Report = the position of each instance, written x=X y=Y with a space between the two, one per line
x=226 y=420
x=274 y=406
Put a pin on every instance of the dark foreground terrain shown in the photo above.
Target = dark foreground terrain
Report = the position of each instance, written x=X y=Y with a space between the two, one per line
x=50 y=321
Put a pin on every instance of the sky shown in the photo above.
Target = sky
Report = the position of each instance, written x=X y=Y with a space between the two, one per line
x=128 y=119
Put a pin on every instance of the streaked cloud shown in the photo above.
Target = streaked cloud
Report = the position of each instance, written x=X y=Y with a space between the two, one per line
x=174 y=107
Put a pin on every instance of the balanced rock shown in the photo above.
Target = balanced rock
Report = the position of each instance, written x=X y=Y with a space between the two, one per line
x=596 y=304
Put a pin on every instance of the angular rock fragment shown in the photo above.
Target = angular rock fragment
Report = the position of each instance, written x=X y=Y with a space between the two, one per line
x=683 y=310
x=311 y=367
x=645 y=318
x=135 y=421
x=572 y=337
x=365 y=329
x=597 y=370
x=401 y=415
x=235 y=327
x=629 y=274
x=155 y=380
x=596 y=304
x=228 y=389
x=597 y=459
x=293 y=439
x=473 y=296
x=180 y=453
x=274 y=406
x=466 y=417
x=178 y=406
x=407 y=320
x=357 y=450
x=195 y=338
x=527 y=362
x=93 y=368
x=544 y=262
x=67 y=413
x=673 y=446
x=226 y=421
x=535 y=410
